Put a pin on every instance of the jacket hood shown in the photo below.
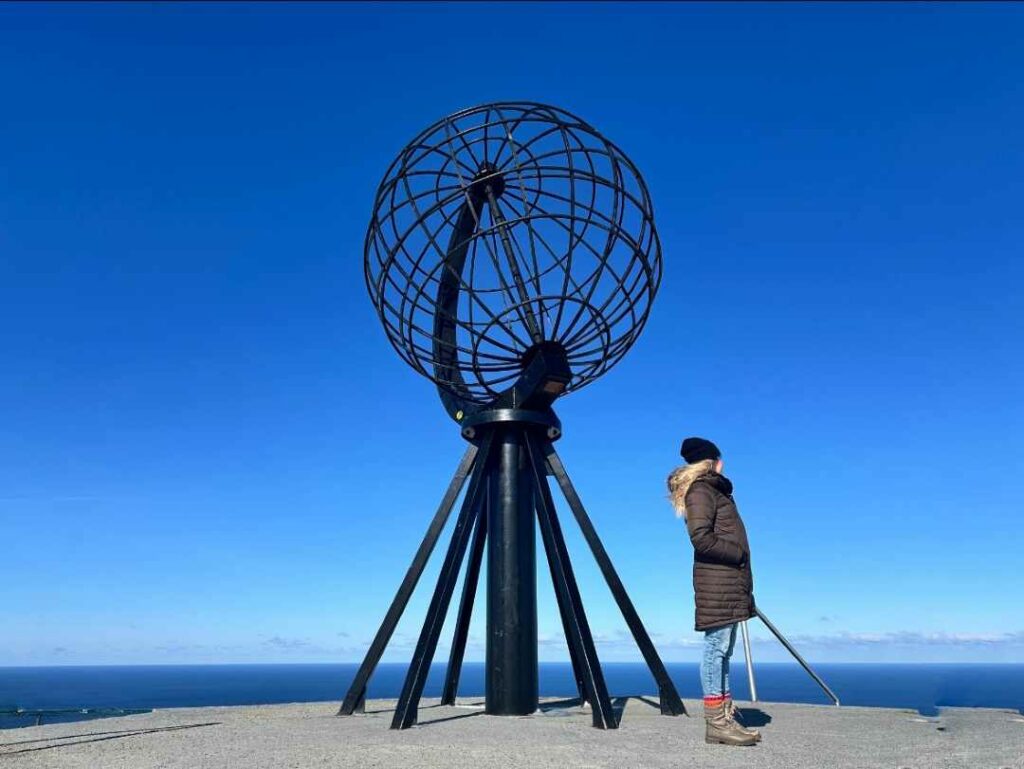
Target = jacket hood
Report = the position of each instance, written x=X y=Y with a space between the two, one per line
x=719 y=482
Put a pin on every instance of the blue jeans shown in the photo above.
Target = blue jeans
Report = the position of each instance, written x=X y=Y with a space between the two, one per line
x=714 y=665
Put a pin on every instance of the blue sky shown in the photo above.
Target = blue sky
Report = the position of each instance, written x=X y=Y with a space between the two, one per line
x=209 y=451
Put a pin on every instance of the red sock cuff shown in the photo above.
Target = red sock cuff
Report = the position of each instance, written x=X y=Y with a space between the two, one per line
x=716 y=699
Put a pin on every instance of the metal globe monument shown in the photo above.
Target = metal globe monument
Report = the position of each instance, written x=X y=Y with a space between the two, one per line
x=512 y=258
x=507 y=226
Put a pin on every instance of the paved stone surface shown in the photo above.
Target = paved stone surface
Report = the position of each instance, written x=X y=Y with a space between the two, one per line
x=559 y=737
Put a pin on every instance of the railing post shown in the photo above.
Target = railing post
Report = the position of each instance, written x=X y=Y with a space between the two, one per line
x=750 y=661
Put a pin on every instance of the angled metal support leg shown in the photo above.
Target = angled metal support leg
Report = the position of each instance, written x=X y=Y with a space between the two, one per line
x=671 y=704
x=565 y=613
x=469 y=586
x=566 y=616
x=796 y=655
x=357 y=690
x=578 y=631
x=408 y=703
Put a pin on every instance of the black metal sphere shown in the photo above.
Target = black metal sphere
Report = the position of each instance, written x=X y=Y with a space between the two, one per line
x=561 y=247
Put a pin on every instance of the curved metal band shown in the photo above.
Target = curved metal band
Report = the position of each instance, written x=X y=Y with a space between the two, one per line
x=446 y=353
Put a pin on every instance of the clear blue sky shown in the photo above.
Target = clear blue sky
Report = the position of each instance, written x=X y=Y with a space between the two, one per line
x=209 y=452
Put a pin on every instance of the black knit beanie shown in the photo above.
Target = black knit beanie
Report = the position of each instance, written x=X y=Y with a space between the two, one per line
x=696 y=449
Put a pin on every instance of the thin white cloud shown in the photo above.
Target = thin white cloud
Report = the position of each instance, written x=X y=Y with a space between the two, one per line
x=911 y=638
x=280 y=642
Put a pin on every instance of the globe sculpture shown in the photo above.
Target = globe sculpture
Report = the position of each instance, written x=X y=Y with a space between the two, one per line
x=505 y=228
x=512 y=258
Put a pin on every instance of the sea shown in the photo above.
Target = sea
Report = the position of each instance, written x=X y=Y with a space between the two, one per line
x=924 y=687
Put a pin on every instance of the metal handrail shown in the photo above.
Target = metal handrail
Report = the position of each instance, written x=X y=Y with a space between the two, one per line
x=750 y=661
x=789 y=647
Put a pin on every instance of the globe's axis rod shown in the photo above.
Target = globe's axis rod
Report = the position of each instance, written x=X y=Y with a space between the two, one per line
x=517 y=277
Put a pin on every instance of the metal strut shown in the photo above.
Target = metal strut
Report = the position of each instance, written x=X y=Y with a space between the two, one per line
x=489 y=475
x=416 y=678
x=357 y=690
x=469 y=585
x=671 y=704
x=577 y=628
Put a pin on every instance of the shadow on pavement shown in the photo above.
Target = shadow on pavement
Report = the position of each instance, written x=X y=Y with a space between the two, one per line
x=753 y=717
x=71 y=739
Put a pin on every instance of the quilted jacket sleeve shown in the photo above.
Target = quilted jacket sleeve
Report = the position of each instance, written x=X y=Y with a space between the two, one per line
x=700 y=522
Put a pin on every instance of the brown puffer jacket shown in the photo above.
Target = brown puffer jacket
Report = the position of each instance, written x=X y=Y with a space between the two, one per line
x=722 y=581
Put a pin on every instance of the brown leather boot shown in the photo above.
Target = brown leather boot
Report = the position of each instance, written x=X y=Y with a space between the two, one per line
x=730 y=708
x=720 y=728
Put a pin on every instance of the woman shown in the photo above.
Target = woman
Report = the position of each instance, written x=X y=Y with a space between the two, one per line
x=722 y=582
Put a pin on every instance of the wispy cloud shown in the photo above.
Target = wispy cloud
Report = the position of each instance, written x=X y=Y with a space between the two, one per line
x=912 y=638
x=281 y=642
x=192 y=648
x=309 y=648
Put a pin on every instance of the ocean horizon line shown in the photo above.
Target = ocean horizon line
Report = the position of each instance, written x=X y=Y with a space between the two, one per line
x=919 y=685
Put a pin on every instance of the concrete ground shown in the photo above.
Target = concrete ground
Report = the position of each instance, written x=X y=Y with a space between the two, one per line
x=559 y=737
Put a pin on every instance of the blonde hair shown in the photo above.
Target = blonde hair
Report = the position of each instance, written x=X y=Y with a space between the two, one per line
x=679 y=481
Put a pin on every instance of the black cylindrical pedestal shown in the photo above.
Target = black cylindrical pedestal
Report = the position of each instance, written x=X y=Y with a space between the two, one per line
x=511 y=686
